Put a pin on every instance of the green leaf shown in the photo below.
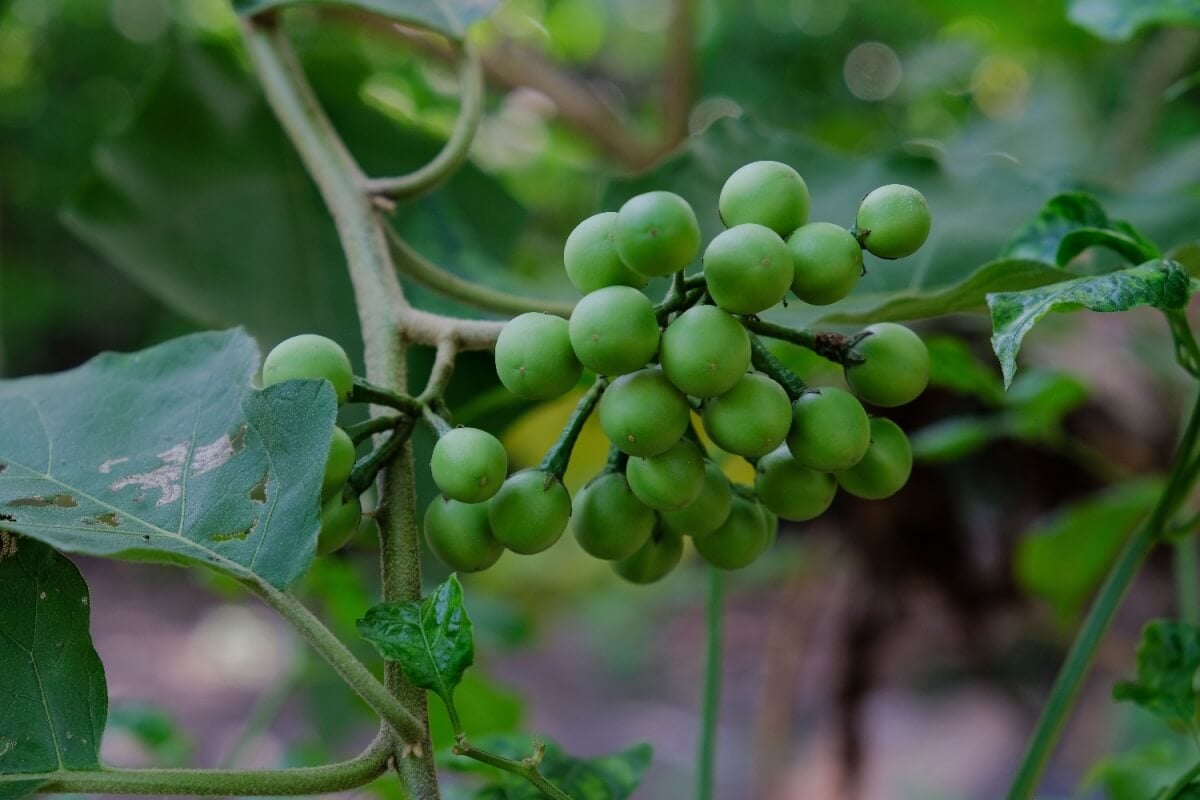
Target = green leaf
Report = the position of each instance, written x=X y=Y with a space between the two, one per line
x=451 y=17
x=1121 y=19
x=955 y=367
x=1167 y=660
x=1070 y=223
x=955 y=438
x=155 y=730
x=1039 y=400
x=430 y=639
x=1161 y=284
x=53 y=698
x=171 y=455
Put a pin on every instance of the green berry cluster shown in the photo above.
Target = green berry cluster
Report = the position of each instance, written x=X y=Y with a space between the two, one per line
x=696 y=352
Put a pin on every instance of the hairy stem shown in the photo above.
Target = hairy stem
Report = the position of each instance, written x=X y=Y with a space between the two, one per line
x=711 y=698
x=369 y=467
x=833 y=346
x=442 y=371
x=526 y=768
x=766 y=362
x=365 y=430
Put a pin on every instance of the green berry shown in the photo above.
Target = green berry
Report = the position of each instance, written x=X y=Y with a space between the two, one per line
x=591 y=256
x=705 y=351
x=468 y=464
x=744 y=536
x=614 y=331
x=657 y=233
x=708 y=511
x=460 y=535
x=643 y=414
x=339 y=464
x=893 y=221
x=530 y=512
x=670 y=480
x=748 y=269
x=767 y=193
x=828 y=262
x=368 y=529
x=830 y=429
x=339 y=522
x=608 y=520
x=310 y=357
x=892 y=365
x=791 y=490
x=885 y=468
x=534 y=357
x=654 y=560
x=751 y=419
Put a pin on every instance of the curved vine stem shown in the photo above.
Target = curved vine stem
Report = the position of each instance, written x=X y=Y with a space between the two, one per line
x=711 y=698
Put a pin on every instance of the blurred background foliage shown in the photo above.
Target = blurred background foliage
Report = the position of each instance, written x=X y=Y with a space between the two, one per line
x=145 y=191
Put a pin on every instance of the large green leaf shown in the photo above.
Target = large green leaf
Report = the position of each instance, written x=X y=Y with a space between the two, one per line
x=1161 y=284
x=1072 y=222
x=1121 y=19
x=1167 y=660
x=169 y=454
x=451 y=17
x=53 y=697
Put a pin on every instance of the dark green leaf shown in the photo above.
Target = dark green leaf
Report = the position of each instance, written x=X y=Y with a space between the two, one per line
x=1121 y=19
x=1070 y=223
x=1039 y=400
x=451 y=17
x=1167 y=659
x=54 y=697
x=1161 y=284
x=169 y=455
x=956 y=368
x=430 y=639
x=955 y=438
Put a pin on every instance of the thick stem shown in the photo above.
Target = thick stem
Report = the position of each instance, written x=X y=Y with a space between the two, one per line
x=367 y=470
x=442 y=371
x=711 y=699
x=366 y=392
x=365 y=430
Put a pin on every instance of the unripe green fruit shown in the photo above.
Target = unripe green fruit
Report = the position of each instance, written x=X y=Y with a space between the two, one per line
x=893 y=221
x=790 y=489
x=468 y=464
x=339 y=465
x=751 y=419
x=669 y=480
x=614 y=331
x=748 y=269
x=310 y=357
x=339 y=523
x=654 y=560
x=708 y=511
x=530 y=512
x=608 y=520
x=591 y=256
x=643 y=414
x=657 y=233
x=885 y=468
x=460 y=535
x=827 y=260
x=895 y=365
x=742 y=538
x=368 y=529
x=705 y=351
x=767 y=193
x=534 y=357
x=830 y=430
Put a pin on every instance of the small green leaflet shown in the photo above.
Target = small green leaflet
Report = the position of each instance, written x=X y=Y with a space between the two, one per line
x=170 y=455
x=1069 y=224
x=451 y=17
x=430 y=639
x=1161 y=284
x=53 y=697
x=1120 y=19
x=1167 y=660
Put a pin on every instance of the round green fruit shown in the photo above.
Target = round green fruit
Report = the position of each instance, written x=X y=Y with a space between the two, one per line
x=534 y=357
x=654 y=560
x=643 y=414
x=748 y=269
x=591 y=256
x=339 y=464
x=766 y=193
x=608 y=520
x=468 y=464
x=614 y=331
x=670 y=480
x=751 y=419
x=892 y=365
x=339 y=522
x=708 y=511
x=893 y=221
x=885 y=468
x=791 y=490
x=530 y=512
x=310 y=357
x=705 y=351
x=830 y=429
x=460 y=535
x=828 y=262
x=744 y=536
x=657 y=233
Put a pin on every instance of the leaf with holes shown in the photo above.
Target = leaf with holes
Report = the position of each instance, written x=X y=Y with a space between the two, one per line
x=430 y=639
x=53 y=697
x=1161 y=284
x=1069 y=224
x=171 y=455
x=1121 y=19
x=451 y=17
x=1167 y=659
